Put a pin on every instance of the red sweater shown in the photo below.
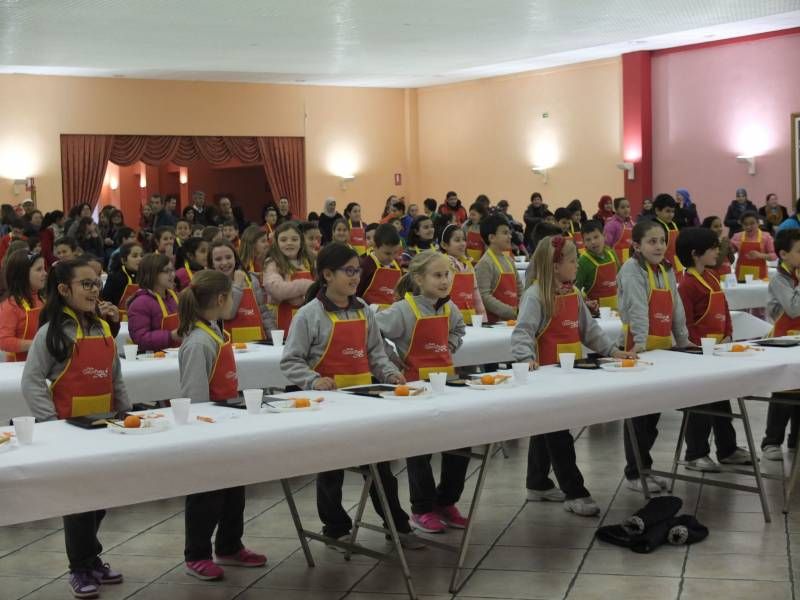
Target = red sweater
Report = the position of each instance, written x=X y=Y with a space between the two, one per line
x=695 y=302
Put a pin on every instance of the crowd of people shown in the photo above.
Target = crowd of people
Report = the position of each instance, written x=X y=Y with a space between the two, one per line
x=204 y=279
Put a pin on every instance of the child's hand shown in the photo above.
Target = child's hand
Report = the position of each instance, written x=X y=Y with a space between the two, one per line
x=108 y=311
x=324 y=384
x=239 y=278
x=624 y=354
x=594 y=305
x=533 y=365
x=397 y=379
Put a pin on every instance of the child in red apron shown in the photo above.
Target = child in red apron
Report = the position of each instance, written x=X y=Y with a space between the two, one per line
x=192 y=257
x=597 y=269
x=783 y=310
x=250 y=319
x=553 y=318
x=253 y=249
x=426 y=328
x=208 y=373
x=753 y=248
x=472 y=229
x=380 y=272
x=121 y=283
x=421 y=236
x=707 y=315
x=153 y=310
x=19 y=313
x=358 y=235
x=464 y=293
x=496 y=272
x=617 y=230
x=74 y=349
x=652 y=314
x=369 y=237
x=726 y=252
x=287 y=274
x=335 y=342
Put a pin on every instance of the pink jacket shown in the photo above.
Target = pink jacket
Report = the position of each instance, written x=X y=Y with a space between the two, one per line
x=767 y=243
x=460 y=267
x=144 y=321
x=612 y=230
x=279 y=289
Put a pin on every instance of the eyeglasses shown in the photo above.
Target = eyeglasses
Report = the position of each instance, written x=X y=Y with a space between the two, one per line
x=350 y=271
x=89 y=284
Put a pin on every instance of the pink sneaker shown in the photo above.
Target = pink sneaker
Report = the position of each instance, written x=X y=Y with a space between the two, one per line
x=452 y=517
x=243 y=558
x=204 y=569
x=428 y=522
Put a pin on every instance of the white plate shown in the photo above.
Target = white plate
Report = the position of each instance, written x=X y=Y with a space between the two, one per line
x=723 y=352
x=241 y=350
x=477 y=385
x=145 y=357
x=616 y=367
x=392 y=396
x=157 y=426
x=5 y=447
x=280 y=406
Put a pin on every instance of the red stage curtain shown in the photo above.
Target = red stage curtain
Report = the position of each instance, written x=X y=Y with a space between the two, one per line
x=83 y=167
x=285 y=166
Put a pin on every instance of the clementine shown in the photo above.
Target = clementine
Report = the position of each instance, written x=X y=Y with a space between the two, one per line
x=132 y=422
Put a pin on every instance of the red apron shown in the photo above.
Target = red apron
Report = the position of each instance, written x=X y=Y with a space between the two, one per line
x=285 y=311
x=30 y=329
x=475 y=246
x=246 y=326
x=505 y=290
x=604 y=286
x=345 y=358
x=462 y=293
x=223 y=383
x=757 y=267
x=269 y=229
x=255 y=267
x=429 y=351
x=712 y=323
x=672 y=236
x=561 y=334
x=130 y=289
x=358 y=239
x=785 y=325
x=85 y=386
x=623 y=245
x=723 y=269
x=577 y=238
x=659 y=313
x=169 y=321
x=380 y=290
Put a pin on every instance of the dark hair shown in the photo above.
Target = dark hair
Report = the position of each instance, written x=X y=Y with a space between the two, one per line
x=58 y=343
x=747 y=214
x=535 y=195
x=371 y=227
x=591 y=225
x=479 y=208
x=161 y=231
x=119 y=258
x=337 y=222
x=16 y=273
x=66 y=241
x=210 y=232
x=188 y=247
x=52 y=217
x=709 y=221
x=542 y=230
x=386 y=235
x=413 y=231
x=663 y=201
x=268 y=208
x=313 y=216
x=448 y=232
x=450 y=194
x=483 y=200
x=306 y=226
x=785 y=239
x=399 y=206
x=430 y=204
x=80 y=232
x=490 y=225
x=331 y=257
x=187 y=210
x=33 y=241
x=201 y=293
x=149 y=268
x=121 y=234
x=770 y=194
x=229 y=223
x=347 y=209
x=617 y=201
x=575 y=206
x=694 y=241
x=226 y=244
x=563 y=213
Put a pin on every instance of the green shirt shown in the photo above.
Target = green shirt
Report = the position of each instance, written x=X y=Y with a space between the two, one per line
x=587 y=269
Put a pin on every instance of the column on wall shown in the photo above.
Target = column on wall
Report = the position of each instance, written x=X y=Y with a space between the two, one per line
x=637 y=126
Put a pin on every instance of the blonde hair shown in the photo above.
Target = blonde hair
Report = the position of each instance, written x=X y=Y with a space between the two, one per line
x=247 y=247
x=204 y=289
x=417 y=268
x=543 y=269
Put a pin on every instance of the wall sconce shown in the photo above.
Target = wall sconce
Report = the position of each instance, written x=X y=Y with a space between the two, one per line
x=19 y=186
x=540 y=171
x=183 y=175
x=142 y=180
x=628 y=167
x=113 y=183
x=751 y=163
x=345 y=180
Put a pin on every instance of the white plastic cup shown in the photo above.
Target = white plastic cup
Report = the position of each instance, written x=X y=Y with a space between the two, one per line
x=277 y=337
x=748 y=278
x=438 y=382
x=605 y=312
x=708 y=343
x=730 y=278
x=477 y=320
x=180 y=410
x=23 y=428
x=252 y=399
x=130 y=351
x=567 y=360
x=520 y=370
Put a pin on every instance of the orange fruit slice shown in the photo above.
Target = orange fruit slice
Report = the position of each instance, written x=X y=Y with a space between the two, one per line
x=628 y=362
x=487 y=380
x=739 y=348
x=240 y=346
x=160 y=354
x=132 y=422
x=302 y=403
x=402 y=390
x=511 y=322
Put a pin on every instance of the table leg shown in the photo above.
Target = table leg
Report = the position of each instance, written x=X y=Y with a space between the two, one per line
x=638 y=457
x=678 y=448
x=789 y=486
x=748 y=432
x=298 y=525
x=362 y=503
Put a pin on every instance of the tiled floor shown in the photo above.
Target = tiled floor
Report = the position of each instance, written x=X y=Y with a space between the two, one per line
x=521 y=550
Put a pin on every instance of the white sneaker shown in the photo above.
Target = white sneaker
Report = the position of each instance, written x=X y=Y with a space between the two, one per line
x=703 y=464
x=583 y=507
x=552 y=495
x=772 y=452
x=636 y=485
x=659 y=481
x=740 y=456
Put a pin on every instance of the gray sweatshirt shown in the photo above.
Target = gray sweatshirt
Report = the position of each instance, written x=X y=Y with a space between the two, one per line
x=633 y=293
x=487 y=276
x=196 y=358
x=782 y=297
x=41 y=368
x=531 y=322
x=308 y=338
x=397 y=324
x=267 y=319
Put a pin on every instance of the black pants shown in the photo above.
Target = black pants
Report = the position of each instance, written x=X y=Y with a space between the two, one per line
x=335 y=520
x=220 y=509
x=80 y=537
x=646 y=428
x=556 y=449
x=425 y=495
x=698 y=428
x=778 y=416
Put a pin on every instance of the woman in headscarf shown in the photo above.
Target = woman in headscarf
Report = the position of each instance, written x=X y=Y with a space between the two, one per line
x=686 y=211
x=736 y=209
x=326 y=219
x=605 y=209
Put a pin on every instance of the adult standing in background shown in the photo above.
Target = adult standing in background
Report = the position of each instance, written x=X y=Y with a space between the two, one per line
x=772 y=214
x=605 y=209
x=168 y=216
x=452 y=206
x=326 y=219
x=647 y=213
x=284 y=214
x=686 y=211
x=736 y=209
x=536 y=212
x=203 y=215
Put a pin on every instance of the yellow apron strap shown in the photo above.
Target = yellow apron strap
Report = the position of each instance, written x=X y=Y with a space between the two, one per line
x=124 y=270
x=693 y=272
x=188 y=270
x=220 y=341
x=496 y=261
x=79 y=331
x=161 y=301
x=415 y=309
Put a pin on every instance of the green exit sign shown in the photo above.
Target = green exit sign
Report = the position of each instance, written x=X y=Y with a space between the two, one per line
x=545 y=115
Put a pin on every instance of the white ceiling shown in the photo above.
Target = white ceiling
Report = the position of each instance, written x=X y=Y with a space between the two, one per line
x=387 y=43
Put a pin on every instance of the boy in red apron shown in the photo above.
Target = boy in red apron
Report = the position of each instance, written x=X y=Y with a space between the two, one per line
x=380 y=271
x=753 y=249
x=82 y=363
x=496 y=272
x=707 y=315
x=597 y=269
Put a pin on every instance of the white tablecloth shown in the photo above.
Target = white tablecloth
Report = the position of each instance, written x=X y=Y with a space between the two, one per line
x=747 y=295
x=69 y=469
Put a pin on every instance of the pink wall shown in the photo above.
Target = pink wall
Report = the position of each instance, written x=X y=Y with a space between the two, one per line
x=711 y=104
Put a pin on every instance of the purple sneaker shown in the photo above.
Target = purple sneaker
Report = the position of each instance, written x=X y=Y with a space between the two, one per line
x=83 y=584
x=104 y=574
